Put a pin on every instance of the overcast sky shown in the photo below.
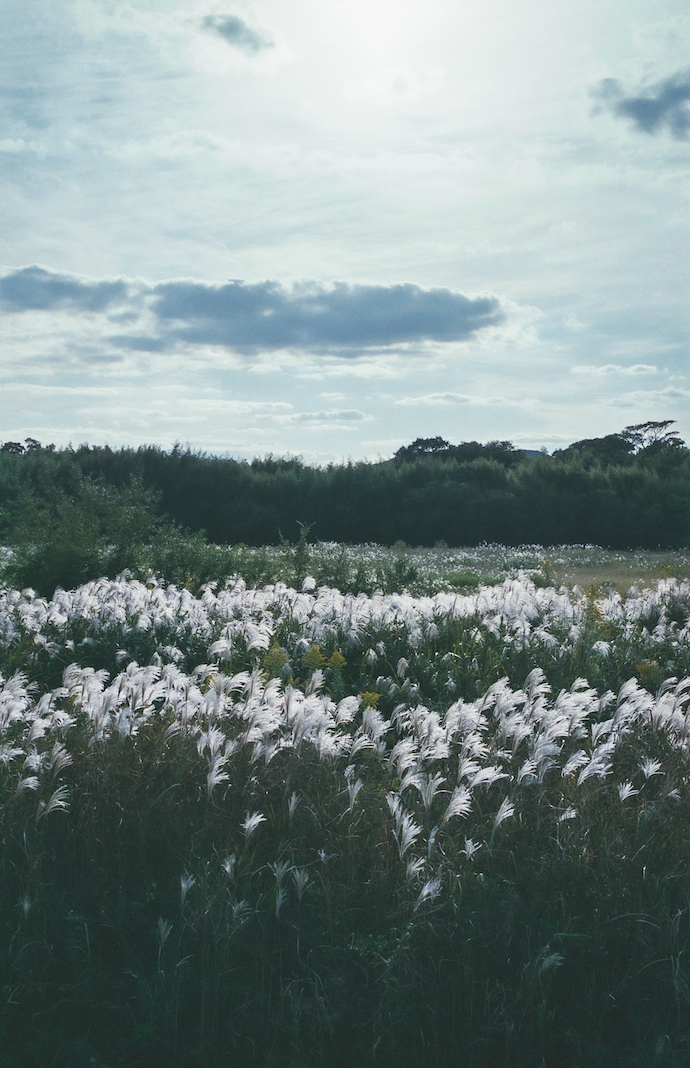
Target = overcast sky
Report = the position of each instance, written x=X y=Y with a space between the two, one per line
x=329 y=227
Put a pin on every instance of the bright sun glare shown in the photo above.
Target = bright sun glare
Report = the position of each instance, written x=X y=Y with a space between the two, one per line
x=378 y=30
x=380 y=42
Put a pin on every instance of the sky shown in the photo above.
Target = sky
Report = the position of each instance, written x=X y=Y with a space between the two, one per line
x=329 y=227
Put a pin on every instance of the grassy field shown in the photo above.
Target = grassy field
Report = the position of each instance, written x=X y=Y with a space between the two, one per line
x=366 y=568
x=441 y=822
x=567 y=565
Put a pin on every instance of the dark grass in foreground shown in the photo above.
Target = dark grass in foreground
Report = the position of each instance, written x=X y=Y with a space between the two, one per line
x=556 y=946
x=204 y=866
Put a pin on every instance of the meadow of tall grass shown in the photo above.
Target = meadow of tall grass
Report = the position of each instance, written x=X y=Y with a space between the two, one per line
x=295 y=825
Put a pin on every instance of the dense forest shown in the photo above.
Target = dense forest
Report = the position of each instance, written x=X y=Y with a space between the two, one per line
x=625 y=490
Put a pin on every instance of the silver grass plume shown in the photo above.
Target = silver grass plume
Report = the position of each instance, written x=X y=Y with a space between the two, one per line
x=251 y=822
x=353 y=786
x=281 y=896
x=30 y=782
x=649 y=767
x=599 y=766
x=459 y=804
x=506 y=810
x=59 y=758
x=414 y=867
x=59 y=801
x=280 y=868
x=429 y=891
x=429 y=788
x=406 y=830
x=163 y=928
x=163 y=931
x=302 y=882
x=215 y=774
x=292 y=806
x=626 y=790
x=574 y=763
x=186 y=883
x=471 y=848
x=239 y=912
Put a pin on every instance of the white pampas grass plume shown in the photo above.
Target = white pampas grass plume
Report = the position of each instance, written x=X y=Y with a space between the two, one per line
x=625 y=790
x=506 y=810
x=292 y=806
x=251 y=822
x=429 y=891
x=59 y=758
x=59 y=801
x=412 y=777
x=414 y=867
x=574 y=763
x=406 y=833
x=280 y=868
x=163 y=929
x=216 y=775
x=406 y=830
x=281 y=896
x=487 y=776
x=600 y=766
x=471 y=848
x=649 y=766
x=353 y=789
x=459 y=804
x=30 y=782
x=302 y=882
x=239 y=912
x=551 y=960
x=172 y=729
x=429 y=788
x=186 y=883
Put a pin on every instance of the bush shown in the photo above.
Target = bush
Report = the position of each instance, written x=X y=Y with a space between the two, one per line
x=67 y=537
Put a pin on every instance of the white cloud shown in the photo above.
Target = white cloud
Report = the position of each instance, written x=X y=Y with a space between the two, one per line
x=653 y=398
x=443 y=399
x=614 y=369
x=326 y=418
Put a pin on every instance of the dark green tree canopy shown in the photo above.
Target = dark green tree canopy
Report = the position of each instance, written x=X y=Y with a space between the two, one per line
x=422 y=447
x=645 y=435
x=624 y=490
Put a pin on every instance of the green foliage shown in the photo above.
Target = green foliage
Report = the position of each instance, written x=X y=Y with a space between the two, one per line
x=297 y=557
x=398 y=576
x=630 y=489
x=67 y=536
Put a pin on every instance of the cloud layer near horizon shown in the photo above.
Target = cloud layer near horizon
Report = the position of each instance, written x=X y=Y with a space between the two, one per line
x=260 y=316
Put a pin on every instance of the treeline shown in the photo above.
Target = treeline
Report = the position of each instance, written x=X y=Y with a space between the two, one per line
x=627 y=490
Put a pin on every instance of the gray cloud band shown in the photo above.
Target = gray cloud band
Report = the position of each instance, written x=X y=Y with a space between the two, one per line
x=664 y=105
x=36 y=289
x=263 y=316
x=235 y=32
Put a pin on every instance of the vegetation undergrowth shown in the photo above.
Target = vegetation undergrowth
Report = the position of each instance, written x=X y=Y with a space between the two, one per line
x=297 y=827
